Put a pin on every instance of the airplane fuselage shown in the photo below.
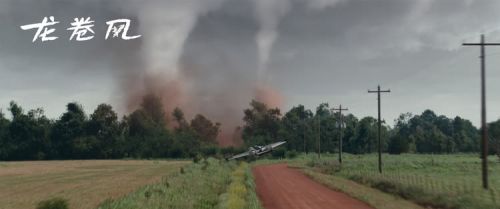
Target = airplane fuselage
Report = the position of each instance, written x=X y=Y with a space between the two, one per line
x=259 y=150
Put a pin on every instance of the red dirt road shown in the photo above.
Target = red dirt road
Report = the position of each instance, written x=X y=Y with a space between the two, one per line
x=280 y=187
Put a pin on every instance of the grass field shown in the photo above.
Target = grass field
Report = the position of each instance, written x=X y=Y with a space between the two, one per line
x=443 y=181
x=208 y=184
x=84 y=183
x=436 y=181
x=371 y=196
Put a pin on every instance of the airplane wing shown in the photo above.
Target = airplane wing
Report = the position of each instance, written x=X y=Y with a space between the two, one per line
x=274 y=145
x=239 y=156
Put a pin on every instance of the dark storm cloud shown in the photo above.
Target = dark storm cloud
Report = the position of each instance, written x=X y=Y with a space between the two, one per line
x=412 y=47
x=52 y=74
x=324 y=51
x=333 y=54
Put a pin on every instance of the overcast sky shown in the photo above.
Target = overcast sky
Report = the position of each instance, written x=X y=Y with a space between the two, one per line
x=312 y=51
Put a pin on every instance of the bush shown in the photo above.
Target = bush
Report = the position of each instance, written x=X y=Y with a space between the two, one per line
x=230 y=151
x=227 y=150
x=209 y=151
x=53 y=203
x=278 y=153
x=197 y=158
x=291 y=154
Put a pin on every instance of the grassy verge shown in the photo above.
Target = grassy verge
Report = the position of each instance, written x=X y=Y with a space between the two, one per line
x=253 y=200
x=366 y=194
x=436 y=181
x=197 y=186
x=241 y=192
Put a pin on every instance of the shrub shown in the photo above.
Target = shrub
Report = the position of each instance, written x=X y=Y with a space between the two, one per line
x=291 y=154
x=197 y=158
x=147 y=194
x=227 y=150
x=278 y=153
x=53 y=203
x=209 y=151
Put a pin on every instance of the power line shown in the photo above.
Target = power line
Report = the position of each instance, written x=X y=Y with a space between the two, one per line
x=484 y=128
x=340 y=129
x=378 y=91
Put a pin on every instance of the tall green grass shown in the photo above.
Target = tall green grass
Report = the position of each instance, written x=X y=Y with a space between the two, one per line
x=438 y=181
x=253 y=200
x=197 y=186
x=241 y=192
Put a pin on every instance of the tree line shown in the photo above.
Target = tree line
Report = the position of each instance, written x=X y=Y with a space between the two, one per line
x=305 y=130
x=101 y=135
x=30 y=135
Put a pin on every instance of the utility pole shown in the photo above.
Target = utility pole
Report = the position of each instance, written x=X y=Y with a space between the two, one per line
x=304 y=133
x=449 y=148
x=341 y=121
x=319 y=137
x=378 y=91
x=484 y=129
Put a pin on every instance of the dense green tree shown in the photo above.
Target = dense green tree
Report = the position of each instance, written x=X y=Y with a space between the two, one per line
x=296 y=128
x=261 y=124
x=139 y=123
x=399 y=141
x=205 y=129
x=429 y=133
x=430 y=141
x=104 y=127
x=150 y=118
x=186 y=144
x=186 y=139
x=366 y=136
x=4 y=134
x=85 y=147
x=465 y=136
x=397 y=145
x=27 y=134
x=494 y=133
x=144 y=133
x=180 y=120
x=349 y=133
x=153 y=107
x=66 y=131
x=325 y=123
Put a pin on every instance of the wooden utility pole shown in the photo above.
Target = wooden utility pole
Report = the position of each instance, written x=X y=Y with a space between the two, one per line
x=484 y=128
x=304 y=133
x=341 y=121
x=378 y=91
x=319 y=137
